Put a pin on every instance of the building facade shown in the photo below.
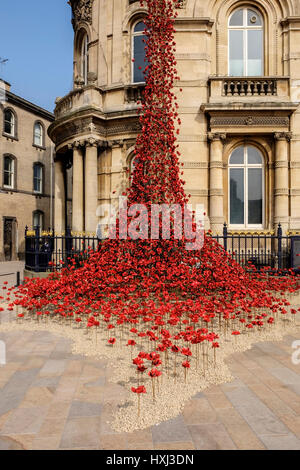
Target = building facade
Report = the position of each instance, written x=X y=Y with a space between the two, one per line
x=239 y=68
x=26 y=187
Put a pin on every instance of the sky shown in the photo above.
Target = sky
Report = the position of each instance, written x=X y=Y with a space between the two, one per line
x=36 y=36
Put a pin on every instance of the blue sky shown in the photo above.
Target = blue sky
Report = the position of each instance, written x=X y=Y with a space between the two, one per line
x=37 y=38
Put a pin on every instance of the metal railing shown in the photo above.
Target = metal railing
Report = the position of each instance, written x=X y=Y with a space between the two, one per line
x=46 y=251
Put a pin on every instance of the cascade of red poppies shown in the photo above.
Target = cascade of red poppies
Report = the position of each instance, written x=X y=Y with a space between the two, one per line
x=156 y=177
x=167 y=305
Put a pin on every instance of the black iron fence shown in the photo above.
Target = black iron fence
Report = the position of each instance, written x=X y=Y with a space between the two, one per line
x=46 y=251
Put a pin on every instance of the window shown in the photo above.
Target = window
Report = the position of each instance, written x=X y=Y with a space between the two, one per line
x=38 y=219
x=38 y=178
x=246 y=188
x=9 y=123
x=84 y=58
x=9 y=172
x=38 y=135
x=246 y=43
x=133 y=164
x=138 y=52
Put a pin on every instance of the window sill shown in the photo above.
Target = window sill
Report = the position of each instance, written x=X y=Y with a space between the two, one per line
x=8 y=136
x=39 y=147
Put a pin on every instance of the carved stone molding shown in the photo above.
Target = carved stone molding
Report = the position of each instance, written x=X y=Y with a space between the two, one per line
x=281 y=192
x=216 y=192
x=216 y=220
x=295 y=192
x=211 y=136
x=283 y=136
x=195 y=165
x=215 y=164
x=295 y=165
x=257 y=121
x=281 y=164
x=82 y=11
x=197 y=192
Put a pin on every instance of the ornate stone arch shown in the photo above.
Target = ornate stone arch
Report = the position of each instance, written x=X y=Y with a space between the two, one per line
x=135 y=12
x=272 y=12
x=265 y=148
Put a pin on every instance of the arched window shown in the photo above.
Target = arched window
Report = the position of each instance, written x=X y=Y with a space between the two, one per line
x=9 y=171
x=246 y=188
x=246 y=43
x=38 y=178
x=84 y=58
x=38 y=134
x=138 y=52
x=9 y=123
x=38 y=219
x=133 y=164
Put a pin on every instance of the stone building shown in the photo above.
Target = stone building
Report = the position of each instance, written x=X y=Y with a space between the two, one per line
x=239 y=68
x=26 y=187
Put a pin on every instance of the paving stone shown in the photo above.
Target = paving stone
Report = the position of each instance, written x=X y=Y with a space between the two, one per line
x=211 y=437
x=80 y=409
x=171 y=430
x=281 y=442
x=255 y=412
x=25 y=421
x=285 y=375
x=81 y=432
x=53 y=367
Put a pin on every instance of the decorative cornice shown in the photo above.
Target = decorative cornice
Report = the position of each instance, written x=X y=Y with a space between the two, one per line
x=257 y=121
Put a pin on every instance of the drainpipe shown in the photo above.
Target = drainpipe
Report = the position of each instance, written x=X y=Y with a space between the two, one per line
x=51 y=186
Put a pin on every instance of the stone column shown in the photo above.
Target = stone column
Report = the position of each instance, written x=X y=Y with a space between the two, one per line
x=59 y=198
x=216 y=192
x=281 y=186
x=91 y=185
x=77 y=197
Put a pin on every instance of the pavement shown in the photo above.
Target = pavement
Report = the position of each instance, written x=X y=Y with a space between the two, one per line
x=8 y=272
x=52 y=399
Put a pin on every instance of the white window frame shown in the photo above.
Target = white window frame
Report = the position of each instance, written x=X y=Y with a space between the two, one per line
x=246 y=28
x=133 y=35
x=84 y=58
x=38 y=136
x=12 y=123
x=38 y=179
x=10 y=172
x=246 y=166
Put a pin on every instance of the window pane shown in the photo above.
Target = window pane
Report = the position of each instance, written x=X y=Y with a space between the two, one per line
x=237 y=18
x=255 y=53
x=237 y=156
x=254 y=19
x=254 y=157
x=37 y=171
x=140 y=26
x=255 y=199
x=7 y=164
x=236 y=53
x=139 y=55
x=237 y=196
